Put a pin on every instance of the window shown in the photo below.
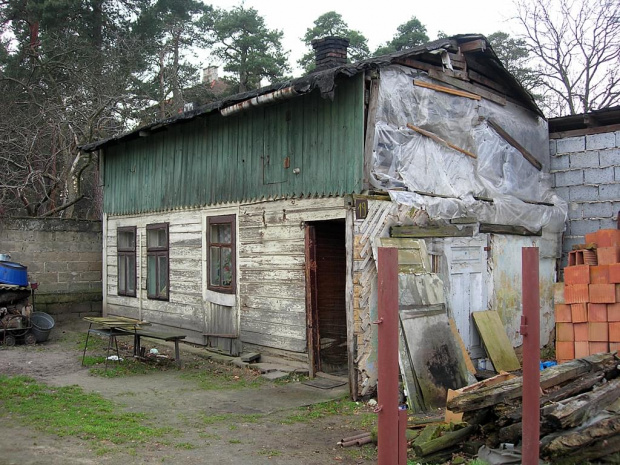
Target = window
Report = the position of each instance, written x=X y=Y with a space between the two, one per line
x=221 y=267
x=157 y=277
x=126 y=250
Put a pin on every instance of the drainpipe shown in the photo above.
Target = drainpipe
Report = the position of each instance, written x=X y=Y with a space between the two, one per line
x=139 y=285
x=276 y=96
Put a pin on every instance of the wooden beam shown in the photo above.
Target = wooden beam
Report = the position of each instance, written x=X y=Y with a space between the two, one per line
x=410 y=62
x=431 y=231
x=369 y=140
x=447 y=90
x=485 y=81
x=508 y=229
x=439 y=140
x=478 y=45
x=496 y=98
x=508 y=138
x=584 y=131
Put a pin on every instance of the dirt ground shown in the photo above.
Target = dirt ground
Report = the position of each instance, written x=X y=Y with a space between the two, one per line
x=179 y=403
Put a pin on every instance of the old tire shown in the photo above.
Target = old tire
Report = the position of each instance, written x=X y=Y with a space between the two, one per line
x=9 y=340
x=30 y=339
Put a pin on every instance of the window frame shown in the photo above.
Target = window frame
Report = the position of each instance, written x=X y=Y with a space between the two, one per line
x=158 y=251
x=126 y=252
x=223 y=219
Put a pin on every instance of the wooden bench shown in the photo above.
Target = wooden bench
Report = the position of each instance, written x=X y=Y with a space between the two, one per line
x=170 y=337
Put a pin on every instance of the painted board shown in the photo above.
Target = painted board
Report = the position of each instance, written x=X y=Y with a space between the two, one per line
x=496 y=341
x=436 y=357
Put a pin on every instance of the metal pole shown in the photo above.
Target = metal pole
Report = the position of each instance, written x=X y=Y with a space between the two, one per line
x=387 y=324
x=530 y=329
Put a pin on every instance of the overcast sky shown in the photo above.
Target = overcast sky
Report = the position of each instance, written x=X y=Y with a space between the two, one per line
x=378 y=20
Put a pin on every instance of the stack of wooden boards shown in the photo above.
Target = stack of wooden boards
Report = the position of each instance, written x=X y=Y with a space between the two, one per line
x=579 y=410
x=588 y=321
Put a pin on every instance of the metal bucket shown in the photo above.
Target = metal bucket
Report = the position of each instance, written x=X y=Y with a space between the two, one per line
x=42 y=325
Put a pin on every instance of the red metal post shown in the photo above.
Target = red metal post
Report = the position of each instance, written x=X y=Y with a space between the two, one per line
x=530 y=329
x=387 y=360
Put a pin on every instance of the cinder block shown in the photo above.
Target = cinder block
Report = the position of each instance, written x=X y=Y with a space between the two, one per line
x=552 y=147
x=609 y=192
x=582 y=227
x=560 y=163
x=608 y=255
x=580 y=331
x=609 y=157
x=564 y=350
x=613 y=312
x=598 y=175
x=575 y=211
x=597 y=312
x=579 y=313
x=563 y=313
x=614 y=331
x=581 y=160
x=576 y=293
x=564 y=332
x=577 y=274
x=599 y=274
x=568 y=178
x=597 y=210
x=598 y=347
x=597 y=331
x=606 y=140
x=602 y=293
x=582 y=193
x=582 y=349
x=571 y=144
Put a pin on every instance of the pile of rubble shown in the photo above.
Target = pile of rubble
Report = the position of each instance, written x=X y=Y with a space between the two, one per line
x=579 y=415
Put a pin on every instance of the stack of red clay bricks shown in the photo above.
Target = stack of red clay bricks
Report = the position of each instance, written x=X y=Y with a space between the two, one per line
x=588 y=322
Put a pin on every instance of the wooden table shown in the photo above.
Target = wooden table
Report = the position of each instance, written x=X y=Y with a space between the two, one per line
x=112 y=327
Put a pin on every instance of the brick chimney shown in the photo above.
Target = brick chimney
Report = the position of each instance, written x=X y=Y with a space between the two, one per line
x=330 y=52
x=209 y=74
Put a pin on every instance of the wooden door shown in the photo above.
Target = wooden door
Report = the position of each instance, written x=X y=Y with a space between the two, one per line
x=326 y=296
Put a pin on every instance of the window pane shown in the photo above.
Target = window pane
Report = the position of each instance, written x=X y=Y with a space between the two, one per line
x=131 y=274
x=163 y=276
x=221 y=233
x=227 y=271
x=151 y=275
x=214 y=264
x=126 y=240
x=122 y=278
x=156 y=238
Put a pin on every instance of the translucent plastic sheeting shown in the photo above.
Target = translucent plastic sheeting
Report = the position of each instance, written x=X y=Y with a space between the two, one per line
x=414 y=163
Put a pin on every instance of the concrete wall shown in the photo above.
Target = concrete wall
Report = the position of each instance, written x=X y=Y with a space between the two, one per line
x=63 y=257
x=586 y=173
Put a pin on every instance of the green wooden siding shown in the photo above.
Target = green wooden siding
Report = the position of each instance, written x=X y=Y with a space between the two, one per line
x=216 y=159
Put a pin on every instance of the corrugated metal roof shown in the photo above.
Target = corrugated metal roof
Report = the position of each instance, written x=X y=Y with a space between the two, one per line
x=325 y=82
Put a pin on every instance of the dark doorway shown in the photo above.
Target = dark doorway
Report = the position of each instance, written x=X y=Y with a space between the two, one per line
x=326 y=296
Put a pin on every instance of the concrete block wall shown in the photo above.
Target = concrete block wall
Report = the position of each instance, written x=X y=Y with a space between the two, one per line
x=586 y=173
x=63 y=257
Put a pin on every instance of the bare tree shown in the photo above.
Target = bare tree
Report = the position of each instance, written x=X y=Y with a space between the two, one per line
x=577 y=46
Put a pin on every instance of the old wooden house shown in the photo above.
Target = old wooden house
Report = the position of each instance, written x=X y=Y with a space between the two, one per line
x=252 y=223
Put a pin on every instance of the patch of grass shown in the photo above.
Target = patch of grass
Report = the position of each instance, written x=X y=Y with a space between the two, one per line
x=234 y=441
x=213 y=419
x=235 y=418
x=69 y=411
x=366 y=452
x=127 y=367
x=211 y=375
x=324 y=409
x=185 y=446
x=204 y=435
x=270 y=452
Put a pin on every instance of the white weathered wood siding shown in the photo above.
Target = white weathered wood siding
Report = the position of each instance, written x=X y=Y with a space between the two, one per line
x=184 y=309
x=272 y=290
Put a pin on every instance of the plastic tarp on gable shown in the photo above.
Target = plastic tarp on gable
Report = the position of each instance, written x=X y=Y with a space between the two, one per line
x=406 y=162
